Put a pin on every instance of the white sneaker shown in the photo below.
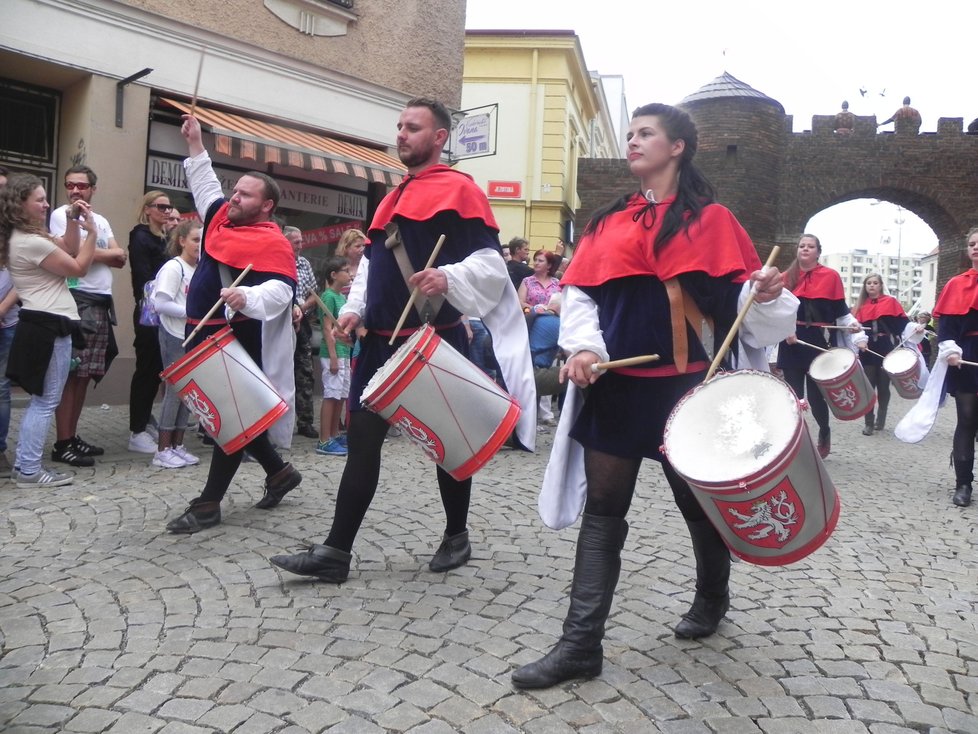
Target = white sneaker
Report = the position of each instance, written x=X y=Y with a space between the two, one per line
x=42 y=478
x=142 y=443
x=168 y=459
x=188 y=458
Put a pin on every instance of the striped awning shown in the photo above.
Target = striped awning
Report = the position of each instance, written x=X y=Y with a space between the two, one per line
x=266 y=142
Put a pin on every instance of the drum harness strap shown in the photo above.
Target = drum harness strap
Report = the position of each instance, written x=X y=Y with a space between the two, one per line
x=683 y=310
x=427 y=307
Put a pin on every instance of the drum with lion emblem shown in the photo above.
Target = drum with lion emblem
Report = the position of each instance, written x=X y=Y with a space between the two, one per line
x=741 y=442
x=840 y=378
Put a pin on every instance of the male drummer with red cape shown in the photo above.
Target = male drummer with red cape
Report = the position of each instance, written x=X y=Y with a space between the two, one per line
x=469 y=277
x=239 y=232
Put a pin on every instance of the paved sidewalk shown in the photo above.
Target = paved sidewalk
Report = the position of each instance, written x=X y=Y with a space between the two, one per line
x=108 y=624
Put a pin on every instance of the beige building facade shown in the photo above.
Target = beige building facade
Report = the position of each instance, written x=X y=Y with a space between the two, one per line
x=308 y=91
x=550 y=111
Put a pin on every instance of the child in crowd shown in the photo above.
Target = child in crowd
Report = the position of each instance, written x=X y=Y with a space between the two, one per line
x=335 y=358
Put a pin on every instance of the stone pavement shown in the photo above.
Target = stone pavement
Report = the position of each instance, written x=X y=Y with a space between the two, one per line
x=108 y=624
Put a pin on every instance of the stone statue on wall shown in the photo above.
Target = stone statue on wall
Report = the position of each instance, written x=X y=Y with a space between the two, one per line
x=906 y=119
x=845 y=121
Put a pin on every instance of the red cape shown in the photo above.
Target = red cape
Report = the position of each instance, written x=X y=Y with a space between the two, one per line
x=819 y=282
x=959 y=296
x=715 y=244
x=261 y=245
x=882 y=306
x=436 y=189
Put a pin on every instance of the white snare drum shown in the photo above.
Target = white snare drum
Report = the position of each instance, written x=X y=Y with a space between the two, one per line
x=741 y=442
x=449 y=407
x=841 y=379
x=903 y=367
x=221 y=384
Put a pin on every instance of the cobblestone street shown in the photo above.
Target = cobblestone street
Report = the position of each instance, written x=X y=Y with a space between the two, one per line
x=109 y=624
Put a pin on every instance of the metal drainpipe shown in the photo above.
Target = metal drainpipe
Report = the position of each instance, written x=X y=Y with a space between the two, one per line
x=531 y=158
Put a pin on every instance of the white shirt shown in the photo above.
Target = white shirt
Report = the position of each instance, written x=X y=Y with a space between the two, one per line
x=99 y=278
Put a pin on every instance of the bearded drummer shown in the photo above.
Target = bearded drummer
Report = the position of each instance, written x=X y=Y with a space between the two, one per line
x=821 y=303
x=469 y=277
x=651 y=269
x=887 y=326
x=239 y=232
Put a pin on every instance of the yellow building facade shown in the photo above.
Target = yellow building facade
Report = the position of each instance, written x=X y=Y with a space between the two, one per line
x=550 y=112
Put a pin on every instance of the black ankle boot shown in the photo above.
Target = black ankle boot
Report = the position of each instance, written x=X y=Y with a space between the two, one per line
x=321 y=561
x=962 y=494
x=868 y=428
x=880 y=418
x=963 y=477
x=453 y=552
x=578 y=653
x=712 y=598
x=198 y=516
x=824 y=442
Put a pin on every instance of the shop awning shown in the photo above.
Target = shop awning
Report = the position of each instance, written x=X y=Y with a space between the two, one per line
x=266 y=142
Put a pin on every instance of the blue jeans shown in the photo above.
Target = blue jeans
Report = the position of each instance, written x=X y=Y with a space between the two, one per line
x=36 y=423
x=173 y=413
x=6 y=339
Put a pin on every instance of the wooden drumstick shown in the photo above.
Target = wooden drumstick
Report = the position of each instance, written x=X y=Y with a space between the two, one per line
x=970 y=364
x=722 y=351
x=416 y=291
x=813 y=346
x=326 y=312
x=220 y=302
x=627 y=362
x=200 y=68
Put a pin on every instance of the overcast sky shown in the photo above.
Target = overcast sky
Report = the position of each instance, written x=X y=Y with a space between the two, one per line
x=807 y=56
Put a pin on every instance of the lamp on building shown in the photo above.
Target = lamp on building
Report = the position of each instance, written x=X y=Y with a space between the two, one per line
x=885 y=239
x=119 y=91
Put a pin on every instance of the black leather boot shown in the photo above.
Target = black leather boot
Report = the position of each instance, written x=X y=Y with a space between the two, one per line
x=963 y=477
x=880 y=417
x=868 y=428
x=453 y=552
x=824 y=442
x=197 y=517
x=578 y=653
x=278 y=485
x=321 y=561
x=712 y=598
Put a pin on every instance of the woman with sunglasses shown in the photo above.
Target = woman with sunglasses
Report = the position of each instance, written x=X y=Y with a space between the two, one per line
x=147 y=253
x=41 y=349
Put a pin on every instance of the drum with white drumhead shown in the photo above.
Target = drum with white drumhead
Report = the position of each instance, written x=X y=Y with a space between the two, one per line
x=841 y=379
x=741 y=442
x=444 y=403
x=903 y=367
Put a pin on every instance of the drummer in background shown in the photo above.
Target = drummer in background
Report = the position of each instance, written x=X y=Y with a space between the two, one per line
x=822 y=303
x=957 y=338
x=239 y=232
x=888 y=326
x=669 y=237
x=433 y=200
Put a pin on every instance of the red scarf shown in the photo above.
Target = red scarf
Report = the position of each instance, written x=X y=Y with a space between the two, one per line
x=261 y=245
x=437 y=188
x=959 y=296
x=875 y=308
x=715 y=244
x=819 y=282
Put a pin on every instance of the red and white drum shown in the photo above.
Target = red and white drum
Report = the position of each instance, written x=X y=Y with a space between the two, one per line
x=903 y=367
x=741 y=442
x=444 y=403
x=840 y=376
x=231 y=397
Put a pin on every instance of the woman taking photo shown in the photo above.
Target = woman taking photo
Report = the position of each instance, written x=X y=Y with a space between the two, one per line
x=41 y=350
x=170 y=300
x=887 y=327
x=669 y=235
x=957 y=339
x=822 y=303
x=147 y=253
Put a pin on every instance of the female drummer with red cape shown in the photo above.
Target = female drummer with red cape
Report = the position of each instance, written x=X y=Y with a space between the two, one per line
x=887 y=326
x=623 y=291
x=822 y=303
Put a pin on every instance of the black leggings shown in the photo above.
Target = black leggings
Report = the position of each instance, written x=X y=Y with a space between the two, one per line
x=963 y=452
x=362 y=473
x=225 y=466
x=611 y=485
x=798 y=380
x=880 y=380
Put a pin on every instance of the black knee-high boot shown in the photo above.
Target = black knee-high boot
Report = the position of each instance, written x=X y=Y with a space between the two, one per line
x=578 y=653
x=712 y=598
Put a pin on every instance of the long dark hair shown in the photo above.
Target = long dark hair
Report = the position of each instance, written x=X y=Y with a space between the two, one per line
x=12 y=215
x=694 y=191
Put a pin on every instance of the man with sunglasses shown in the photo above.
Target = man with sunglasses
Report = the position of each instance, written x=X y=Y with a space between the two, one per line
x=93 y=296
x=173 y=220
